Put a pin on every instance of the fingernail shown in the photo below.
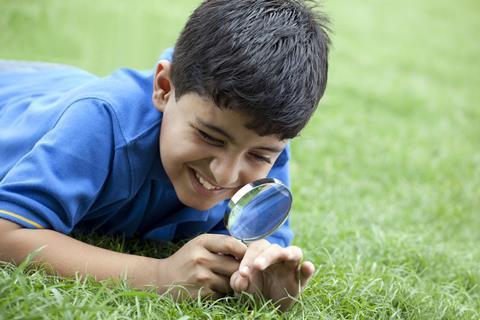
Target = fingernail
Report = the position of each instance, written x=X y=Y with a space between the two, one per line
x=245 y=269
x=237 y=280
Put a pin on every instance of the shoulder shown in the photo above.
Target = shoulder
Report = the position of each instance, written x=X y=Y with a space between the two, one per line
x=129 y=95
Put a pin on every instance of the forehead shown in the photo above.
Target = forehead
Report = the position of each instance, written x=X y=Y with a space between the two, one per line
x=204 y=111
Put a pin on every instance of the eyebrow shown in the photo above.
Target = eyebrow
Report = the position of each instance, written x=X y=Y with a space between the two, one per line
x=229 y=137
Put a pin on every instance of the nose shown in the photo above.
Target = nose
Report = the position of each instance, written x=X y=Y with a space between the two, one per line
x=226 y=170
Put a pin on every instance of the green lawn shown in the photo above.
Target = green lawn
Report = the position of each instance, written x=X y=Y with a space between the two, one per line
x=386 y=177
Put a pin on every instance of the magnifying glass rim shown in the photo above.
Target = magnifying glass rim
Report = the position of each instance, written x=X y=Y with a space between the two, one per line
x=249 y=187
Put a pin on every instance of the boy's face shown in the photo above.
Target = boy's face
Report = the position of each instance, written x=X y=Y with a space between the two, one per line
x=207 y=152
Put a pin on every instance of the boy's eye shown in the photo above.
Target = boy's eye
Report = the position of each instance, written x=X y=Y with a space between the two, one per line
x=209 y=139
x=261 y=158
x=216 y=142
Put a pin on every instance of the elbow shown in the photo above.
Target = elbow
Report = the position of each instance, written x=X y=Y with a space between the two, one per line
x=7 y=229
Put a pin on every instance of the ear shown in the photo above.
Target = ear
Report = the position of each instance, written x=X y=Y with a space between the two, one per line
x=162 y=85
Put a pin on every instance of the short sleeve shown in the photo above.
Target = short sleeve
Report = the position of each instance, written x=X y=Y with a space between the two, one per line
x=57 y=181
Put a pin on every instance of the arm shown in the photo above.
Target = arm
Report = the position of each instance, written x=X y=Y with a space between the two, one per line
x=66 y=256
x=197 y=265
x=53 y=184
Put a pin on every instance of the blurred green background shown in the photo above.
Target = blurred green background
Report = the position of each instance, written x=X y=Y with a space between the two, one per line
x=96 y=35
x=386 y=176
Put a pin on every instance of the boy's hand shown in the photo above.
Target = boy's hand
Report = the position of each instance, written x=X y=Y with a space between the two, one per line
x=272 y=271
x=203 y=266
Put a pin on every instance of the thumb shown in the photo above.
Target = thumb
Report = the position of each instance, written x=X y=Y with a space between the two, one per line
x=238 y=282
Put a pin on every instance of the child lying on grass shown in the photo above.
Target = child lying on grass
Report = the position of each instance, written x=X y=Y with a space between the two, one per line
x=157 y=154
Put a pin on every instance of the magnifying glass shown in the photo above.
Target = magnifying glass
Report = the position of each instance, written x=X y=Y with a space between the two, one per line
x=258 y=209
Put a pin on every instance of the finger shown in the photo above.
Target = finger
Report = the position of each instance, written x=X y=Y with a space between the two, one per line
x=254 y=249
x=238 y=282
x=275 y=254
x=233 y=279
x=224 y=265
x=220 y=284
x=218 y=243
x=306 y=272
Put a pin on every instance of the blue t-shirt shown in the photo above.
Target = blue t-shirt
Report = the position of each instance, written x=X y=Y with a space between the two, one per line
x=80 y=153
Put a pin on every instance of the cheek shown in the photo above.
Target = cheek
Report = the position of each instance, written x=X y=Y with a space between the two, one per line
x=172 y=139
x=170 y=148
x=178 y=149
x=252 y=173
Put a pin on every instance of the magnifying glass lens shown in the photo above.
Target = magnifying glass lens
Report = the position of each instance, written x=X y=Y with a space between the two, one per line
x=259 y=212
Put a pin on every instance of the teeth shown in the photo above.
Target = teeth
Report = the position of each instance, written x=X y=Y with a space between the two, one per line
x=205 y=183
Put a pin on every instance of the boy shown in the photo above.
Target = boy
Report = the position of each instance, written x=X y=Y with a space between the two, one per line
x=156 y=155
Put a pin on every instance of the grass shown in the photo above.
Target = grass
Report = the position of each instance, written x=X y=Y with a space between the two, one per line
x=386 y=177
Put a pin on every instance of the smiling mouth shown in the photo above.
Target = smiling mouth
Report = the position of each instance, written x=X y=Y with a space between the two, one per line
x=204 y=183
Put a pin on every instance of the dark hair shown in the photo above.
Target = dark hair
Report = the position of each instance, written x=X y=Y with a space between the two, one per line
x=265 y=58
